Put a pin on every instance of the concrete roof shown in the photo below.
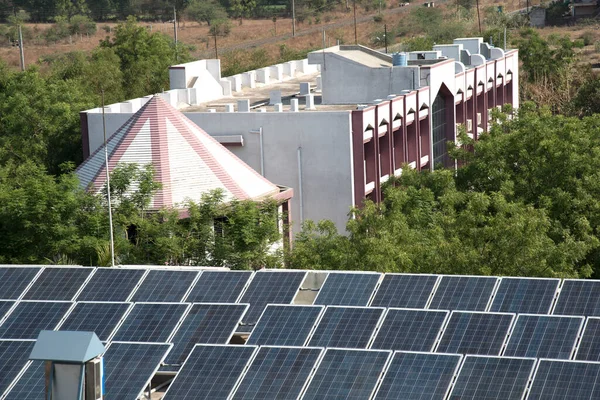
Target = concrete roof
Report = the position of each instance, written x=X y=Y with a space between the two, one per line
x=67 y=346
x=364 y=58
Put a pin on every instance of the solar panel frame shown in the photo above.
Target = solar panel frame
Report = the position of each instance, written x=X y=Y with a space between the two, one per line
x=131 y=312
x=34 y=382
x=256 y=354
x=334 y=349
x=37 y=329
x=594 y=343
x=507 y=352
x=108 y=337
x=411 y=300
x=169 y=367
x=138 y=296
x=393 y=310
x=18 y=371
x=243 y=299
x=239 y=287
x=308 y=335
x=322 y=300
x=425 y=353
x=347 y=346
x=438 y=347
x=105 y=375
x=531 y=395
x=181 y=374
x=520 y=309
x=10 y=305
x=55 y=282
x=563 y=298
x=17 y=293
x=103 y=295
x=472 y=356
x=432 y=305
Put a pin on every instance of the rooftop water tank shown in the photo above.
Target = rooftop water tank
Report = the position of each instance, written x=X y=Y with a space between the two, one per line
x=399 y=60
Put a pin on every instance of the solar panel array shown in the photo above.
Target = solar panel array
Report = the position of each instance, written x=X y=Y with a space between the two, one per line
x=360 y=335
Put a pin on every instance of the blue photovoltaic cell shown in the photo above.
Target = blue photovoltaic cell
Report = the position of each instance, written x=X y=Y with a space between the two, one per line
x=348 y=327
x=285 y=325
x=492 y=378
x=210 y=372
x=4 y=307
x=409 y=330
x=565 y=380
x=404 y=291
x=100 y=318
x=14 y=354
x=151 y=322
x=418 y=376
x=129 y=367
x=475 y=333
x=525 y=295
x=58 y=283
x=347 y=289
x=164 y=286
x=542 y=336
x=269 y=287
x=111 y=284
x=467 y=293
x=578 y=297
x=347 y=374
x=205 y=323
x=29 y=318
x=31 y=385
x=219 y=287
x=277 y=373
x=14 y=280
x=589 y=347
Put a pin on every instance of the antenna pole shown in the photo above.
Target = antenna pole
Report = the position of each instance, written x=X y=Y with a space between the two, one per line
x=112 y=237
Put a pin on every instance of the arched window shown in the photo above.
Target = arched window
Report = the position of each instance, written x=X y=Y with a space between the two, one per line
x=439 y=126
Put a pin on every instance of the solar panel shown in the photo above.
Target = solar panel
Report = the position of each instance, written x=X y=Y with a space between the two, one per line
x=278 y=373
x=544 y=336
x=14 y=280
x=151 y=322
x=347 y=374
x=410 y=330
x=219 y=287
x=129 y=367
x=347 y=289
x=100 y=318
x=61 y=283
x=111 y=284
x=28 y=318
x=492 y=378
x=4 y=307
x=565 y=380
x=269 y=287
x=349 y=327
x=285 y=325
x=589 y=347
x=14 y=355
x=205 y=323
x=404 y=290
x=467 y=293
x=30 y=385
x=475 y=333
x=210 y=372
x=418 y=376
x=164 y=286
x=578 y=297
x=525 y=295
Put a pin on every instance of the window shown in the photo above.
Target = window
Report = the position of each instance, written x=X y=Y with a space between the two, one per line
x=438 y=120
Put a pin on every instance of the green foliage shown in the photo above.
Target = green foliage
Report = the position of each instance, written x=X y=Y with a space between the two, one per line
x=418 y=43
x=579 y=43
x=58 y=31
x=432 y=24
x=82 y=25
x=205 y=11
x=556 y=11
x=220 y=27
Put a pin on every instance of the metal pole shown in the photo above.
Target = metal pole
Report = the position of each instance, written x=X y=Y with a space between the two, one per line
x=175 y=32
x=262 y=151
x=385 y=37
x=293 y=18
x=504 y=38
x=112 y=238
x=478 y=17
x=216 y=50
x=355 y=32
x=300 y=184
x=22 y=55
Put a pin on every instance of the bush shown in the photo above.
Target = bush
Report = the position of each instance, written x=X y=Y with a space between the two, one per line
x=597 y=47
x=587 y=37
x=58 y=31
x=578 y=43
x=220 y=27
x=418 y=43
x=82 y=25
x=378 y=18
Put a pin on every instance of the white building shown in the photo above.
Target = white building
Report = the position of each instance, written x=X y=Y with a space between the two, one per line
x=335 y=126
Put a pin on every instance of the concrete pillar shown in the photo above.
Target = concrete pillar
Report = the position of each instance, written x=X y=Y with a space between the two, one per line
x=304 y=88
x=212 y=110
x=249 y=79
x=226 y=85
x=243 y=105
x=278 y=107
x=294 y=105
x=262 y=75
x=302 y=65
x=319 y=83
x=289 y=68
x=274 y=97
x=236 y=83
x=310 y=102
x=229 y=107
x=276 y=72
x=192 y=96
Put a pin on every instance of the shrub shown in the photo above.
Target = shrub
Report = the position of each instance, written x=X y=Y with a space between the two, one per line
x=587 y=37
x=378 y=18
x=578 y=43
x=82 y=25
x=597 y=47
x=58 y=31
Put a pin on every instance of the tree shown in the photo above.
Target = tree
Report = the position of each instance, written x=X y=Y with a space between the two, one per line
x=241 y=8
x=205 y=11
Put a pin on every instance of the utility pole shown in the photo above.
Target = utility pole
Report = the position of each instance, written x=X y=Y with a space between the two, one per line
x=216 y=50
x=22 y=54
x=479 y=17
x=355 y=32
x=112 y=238
x=175 y=32
x=385 y=37
x=293 y=18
